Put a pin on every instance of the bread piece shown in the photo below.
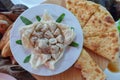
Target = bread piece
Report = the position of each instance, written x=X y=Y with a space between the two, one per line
x=83 y=10
x=101 y=61
x=2 y=17
x=6 y=52
x=89 y=69
x=4 y=23
x=100 y=22
x=71 y=3
x=105 y=45
x=5 y=38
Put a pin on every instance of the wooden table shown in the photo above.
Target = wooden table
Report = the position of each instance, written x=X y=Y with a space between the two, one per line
x=72 y=73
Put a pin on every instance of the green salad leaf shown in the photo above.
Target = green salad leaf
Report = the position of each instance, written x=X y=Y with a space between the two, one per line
x=118 y=25
x=19 y=42
x=38 y=18
x=74 y=44
x=60 y=18
x=72 y=28
x=27 y=58
x=25 y=20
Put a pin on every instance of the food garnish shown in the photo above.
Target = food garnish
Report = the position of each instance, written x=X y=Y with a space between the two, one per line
x=118 y=25
x=74 y=44
x=27 y=59
x=19 y=42
x=25 y=20
x=38 y=18
x=72 y=28
x=60 y=18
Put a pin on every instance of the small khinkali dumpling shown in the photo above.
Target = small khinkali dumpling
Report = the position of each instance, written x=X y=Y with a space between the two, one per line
x=42 y=43
x=51 y=63
x=52 y=26
x=52 y=41
x=69 y=36
x=33 y=40
x=54 y=49
x=61 y=47
x=46 y=16
x=37 y=34
x=39 y=27
x=55 y=55
x=60 y=38
x=25 y=33
x=48 y=34
x=67 y=32
x=57 y=32
x=37 y=60
x=44 y=28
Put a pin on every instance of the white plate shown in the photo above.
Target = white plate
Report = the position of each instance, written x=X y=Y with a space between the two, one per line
x=4 y=76
x=71 y=54
x=28 y=3
x=111 y=75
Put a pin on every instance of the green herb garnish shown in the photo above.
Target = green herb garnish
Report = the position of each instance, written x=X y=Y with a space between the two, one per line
x=25 y=20
x=27 y=59
x=74 y=44
x=60 y=18
x=118 y=28
x=19 y=42
x=72 y=28
x=38 y=18
x=118 y=25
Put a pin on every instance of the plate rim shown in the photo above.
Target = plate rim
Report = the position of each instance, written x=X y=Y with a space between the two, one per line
x=82 y=39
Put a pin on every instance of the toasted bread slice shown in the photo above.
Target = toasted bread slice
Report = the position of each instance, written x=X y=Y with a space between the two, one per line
x=3 y=17
x=89 y=69
x=82 y=9
x=100 y=22
x=6 y=52
x=105 y=45
x=5 y=38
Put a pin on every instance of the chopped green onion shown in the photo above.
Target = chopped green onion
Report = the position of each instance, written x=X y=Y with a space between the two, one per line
x=74 y=44
x=118 y=28
x=27 y=59
x=25 y=20
x=60 y=18
x=19 y=42
x=118 y=25
x=38 y=18
x=72 y=28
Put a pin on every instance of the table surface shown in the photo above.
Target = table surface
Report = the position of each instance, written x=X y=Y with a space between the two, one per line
x=72 y=73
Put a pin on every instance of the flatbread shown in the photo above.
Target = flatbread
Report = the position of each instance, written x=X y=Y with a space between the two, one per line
x=72 y=3
x=105 y=45
x=96 y=22
x=101 y=22
x=3 y=17
x=6 y=52
x=5 y=37
x=82 y=9
x=89 y=69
